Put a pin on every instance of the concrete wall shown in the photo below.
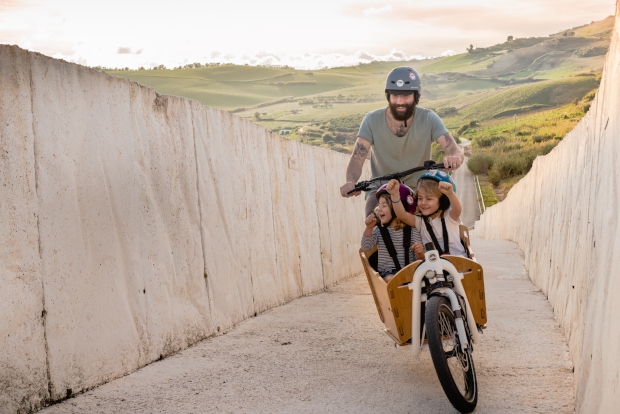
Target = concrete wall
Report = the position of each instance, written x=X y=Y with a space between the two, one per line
x=564 y=216
x=134 y=224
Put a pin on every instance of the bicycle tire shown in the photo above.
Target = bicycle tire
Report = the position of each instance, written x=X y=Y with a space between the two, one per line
x=454 y=367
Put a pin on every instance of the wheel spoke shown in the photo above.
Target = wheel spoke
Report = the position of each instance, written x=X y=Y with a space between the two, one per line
x=452 y=363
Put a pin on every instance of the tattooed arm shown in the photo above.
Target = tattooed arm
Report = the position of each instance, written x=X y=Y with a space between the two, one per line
x=454 y=154
x=356 y=163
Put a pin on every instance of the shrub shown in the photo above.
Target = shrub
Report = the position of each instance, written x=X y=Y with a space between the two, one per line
x=589 y=96
x=591 y=51
x=510 y=147
x=480 y=163
x=341 y=137
x=443 y=112
x=327 y=138
x=506 y=167
x=484 y=142
x=542 y=137
x=462 y=129
x=516 y=163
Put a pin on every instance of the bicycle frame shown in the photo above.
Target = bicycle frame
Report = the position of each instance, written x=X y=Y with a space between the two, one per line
x=434 y=266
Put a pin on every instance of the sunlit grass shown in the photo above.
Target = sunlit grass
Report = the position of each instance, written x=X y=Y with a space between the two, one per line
x=488 y=193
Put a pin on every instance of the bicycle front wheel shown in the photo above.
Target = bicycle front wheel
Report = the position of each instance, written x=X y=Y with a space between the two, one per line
x=454 y=367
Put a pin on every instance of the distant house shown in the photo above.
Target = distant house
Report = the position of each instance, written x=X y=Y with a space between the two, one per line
x=285 y=131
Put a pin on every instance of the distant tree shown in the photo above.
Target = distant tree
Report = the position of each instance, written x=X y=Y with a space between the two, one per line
x=257 y=115
x=510 y=39
x=470 y=48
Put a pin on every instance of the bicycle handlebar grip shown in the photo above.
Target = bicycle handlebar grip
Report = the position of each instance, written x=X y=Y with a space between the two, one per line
x=356 y=188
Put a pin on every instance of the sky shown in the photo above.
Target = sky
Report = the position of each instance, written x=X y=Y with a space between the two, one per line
x=302 y=34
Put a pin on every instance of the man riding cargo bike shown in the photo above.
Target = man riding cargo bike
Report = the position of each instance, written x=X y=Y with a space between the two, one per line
x=435 y=302
x=399 y=137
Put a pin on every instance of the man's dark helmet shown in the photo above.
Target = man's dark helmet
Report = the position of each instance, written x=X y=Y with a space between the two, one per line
x=403 y=80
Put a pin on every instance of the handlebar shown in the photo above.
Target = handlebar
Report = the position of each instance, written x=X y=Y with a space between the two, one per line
x=365 y=185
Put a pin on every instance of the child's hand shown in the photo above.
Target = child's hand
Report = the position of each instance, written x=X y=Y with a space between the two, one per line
x=393 y=188
x=445 y=188
x=371 y=221
x=418 y=249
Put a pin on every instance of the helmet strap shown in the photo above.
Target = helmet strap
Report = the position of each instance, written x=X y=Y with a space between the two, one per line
x=389 y=222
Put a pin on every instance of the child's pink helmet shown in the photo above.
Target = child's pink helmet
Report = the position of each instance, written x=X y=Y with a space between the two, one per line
x=407 y=197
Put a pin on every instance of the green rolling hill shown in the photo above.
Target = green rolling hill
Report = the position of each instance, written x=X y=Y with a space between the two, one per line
x=477 y=93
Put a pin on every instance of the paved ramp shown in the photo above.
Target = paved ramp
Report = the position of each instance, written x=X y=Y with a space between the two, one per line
x=327 y=353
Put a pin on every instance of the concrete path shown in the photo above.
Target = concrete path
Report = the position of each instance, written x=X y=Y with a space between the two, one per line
x=328 y=353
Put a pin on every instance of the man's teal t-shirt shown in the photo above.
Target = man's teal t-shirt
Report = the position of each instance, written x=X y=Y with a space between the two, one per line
x=390 y=154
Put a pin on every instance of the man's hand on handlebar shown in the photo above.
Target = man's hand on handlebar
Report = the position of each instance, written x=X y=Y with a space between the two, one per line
x=348 y=187
x=354 y=189
x=452 y=162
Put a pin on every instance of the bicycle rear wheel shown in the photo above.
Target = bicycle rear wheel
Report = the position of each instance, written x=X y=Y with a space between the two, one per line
x=454 y=367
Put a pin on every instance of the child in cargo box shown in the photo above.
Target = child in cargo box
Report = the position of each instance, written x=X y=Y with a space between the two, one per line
x=438 y=212
x=392 y=232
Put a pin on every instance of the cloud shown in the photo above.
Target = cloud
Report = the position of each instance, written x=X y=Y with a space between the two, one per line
x=448 y=53
x=373 y=11
x=265 y=59
x=363 y=55
x=6 y=5
x=127 y=51
x=522 y=19
x=302 y=60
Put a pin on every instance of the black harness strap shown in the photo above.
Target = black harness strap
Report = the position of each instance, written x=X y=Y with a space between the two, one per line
x=446 y=241
x=389 y=245
x=387 y=239
x=466 y=249
x=407 y=242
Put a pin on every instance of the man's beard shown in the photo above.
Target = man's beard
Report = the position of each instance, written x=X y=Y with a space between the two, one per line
x=407 y=113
